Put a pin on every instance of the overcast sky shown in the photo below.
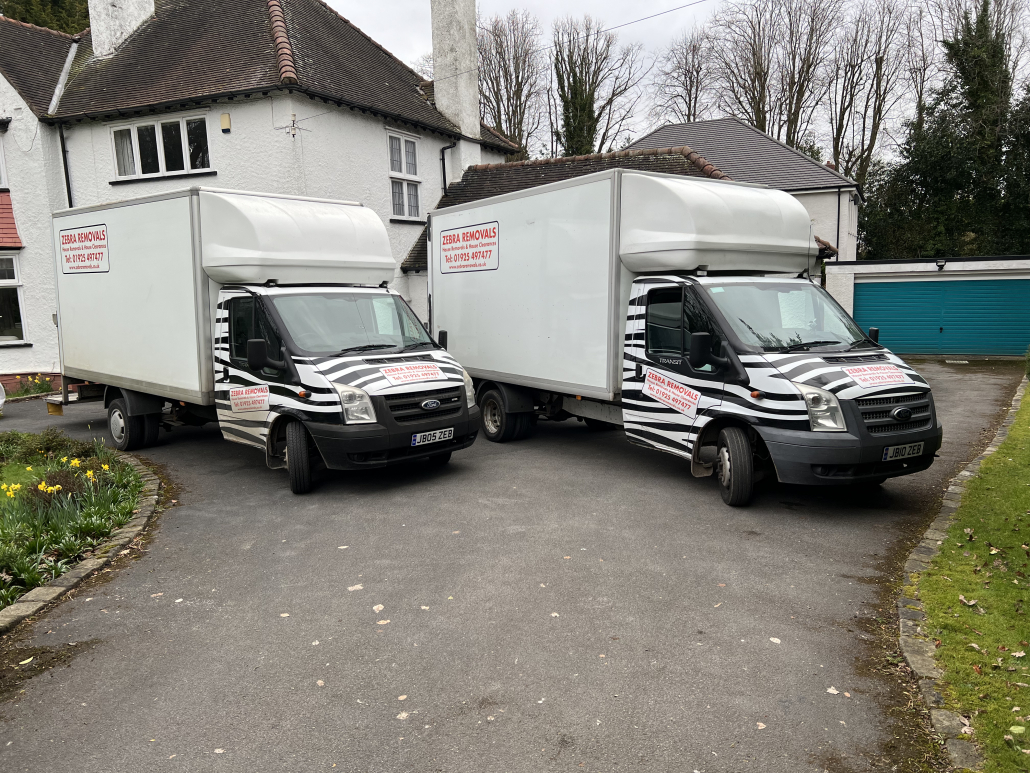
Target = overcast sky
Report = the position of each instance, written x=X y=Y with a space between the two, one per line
x=403 y=26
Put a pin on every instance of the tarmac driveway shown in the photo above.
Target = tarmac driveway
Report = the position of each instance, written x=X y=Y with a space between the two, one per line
x=569 y=602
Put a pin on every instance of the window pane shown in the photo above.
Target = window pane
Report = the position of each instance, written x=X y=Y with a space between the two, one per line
x=241 y=322
x=126 y=163
x=664 y=322
x=171 y=138
x=397 y=188
x=10 y=315
x=6 y=268
x=412 y=200
x=395 y=155
x=409 y=157
x=196 y=136
x=148 y=162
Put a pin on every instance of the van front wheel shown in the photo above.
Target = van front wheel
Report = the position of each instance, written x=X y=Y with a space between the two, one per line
x=129 y=432
x=499 y=426
x=298 y=457
x=735 y=467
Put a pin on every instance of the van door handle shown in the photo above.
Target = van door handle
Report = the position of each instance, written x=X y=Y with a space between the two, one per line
x=640 y=370
x=225 y=373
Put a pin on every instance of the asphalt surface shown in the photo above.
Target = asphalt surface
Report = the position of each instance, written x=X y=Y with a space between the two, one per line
x=568 y=602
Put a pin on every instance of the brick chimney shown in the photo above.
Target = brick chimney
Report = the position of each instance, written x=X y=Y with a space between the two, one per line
x=456 y=75
x=112 y=21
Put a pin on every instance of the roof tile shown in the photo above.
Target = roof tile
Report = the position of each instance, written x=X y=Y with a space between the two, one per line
x=31 y=60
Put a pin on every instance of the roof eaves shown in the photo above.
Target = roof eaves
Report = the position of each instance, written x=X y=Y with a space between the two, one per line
x=283 y=49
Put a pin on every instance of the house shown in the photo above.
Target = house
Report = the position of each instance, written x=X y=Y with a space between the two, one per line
x=749 y=155
x=283 y=96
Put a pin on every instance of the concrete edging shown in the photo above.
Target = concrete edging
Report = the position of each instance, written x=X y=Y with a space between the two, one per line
x=23 y=398
x=916 y=645
x=38 y=598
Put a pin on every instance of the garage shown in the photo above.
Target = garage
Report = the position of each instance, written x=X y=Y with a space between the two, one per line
x=973 y=306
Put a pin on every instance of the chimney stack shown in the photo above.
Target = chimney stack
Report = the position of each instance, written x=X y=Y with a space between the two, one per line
x=456 y=74
x=112 y=21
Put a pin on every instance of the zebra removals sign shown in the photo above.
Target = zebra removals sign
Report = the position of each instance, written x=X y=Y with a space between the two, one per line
x=470 y=248
x=84 y=250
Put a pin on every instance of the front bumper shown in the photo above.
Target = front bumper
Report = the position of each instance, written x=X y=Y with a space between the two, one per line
x=840 y=458
x=360 y=446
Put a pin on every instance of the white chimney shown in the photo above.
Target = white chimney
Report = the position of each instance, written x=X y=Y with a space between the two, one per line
x=456 y=74
x=112 y=21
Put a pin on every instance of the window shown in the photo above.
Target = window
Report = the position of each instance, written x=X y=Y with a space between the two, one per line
x=161 y=148
x=10 y=302
x=673 y=313
x=247 y=321
x=404 y=182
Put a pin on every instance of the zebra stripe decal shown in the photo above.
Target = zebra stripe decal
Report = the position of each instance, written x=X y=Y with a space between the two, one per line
x=317 y=376
x=651 y=423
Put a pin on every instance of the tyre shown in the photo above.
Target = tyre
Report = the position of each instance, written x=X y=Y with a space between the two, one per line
x=298 y=457
x=735 y=467
x=128 y=432
x=151 y=429
x=439 y=460
x=498 y=425
x=596 y=425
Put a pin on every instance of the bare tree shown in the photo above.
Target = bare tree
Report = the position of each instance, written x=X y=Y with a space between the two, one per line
x=802 y=62
x=511 y=76
x=423 y=65
x=746 y=33
x=683 y=78
x=866 y=79
x=595 y=86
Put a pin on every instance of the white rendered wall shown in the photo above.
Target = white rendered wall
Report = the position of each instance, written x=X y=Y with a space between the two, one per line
x=30 y=152
x=822 y=208
x=112 y=21
x=841 y=285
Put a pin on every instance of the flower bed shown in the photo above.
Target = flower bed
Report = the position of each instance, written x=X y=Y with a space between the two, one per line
x=59 y=499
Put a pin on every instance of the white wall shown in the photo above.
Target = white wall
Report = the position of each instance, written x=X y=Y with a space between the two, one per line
x=822 y=207
x=31 y=151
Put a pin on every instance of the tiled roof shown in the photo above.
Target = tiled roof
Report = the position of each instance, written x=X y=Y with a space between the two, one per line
x=487 y=133
x=9 y=238
x=485 y=180
x=748 y=155
x=31 y=60
x=192 y=50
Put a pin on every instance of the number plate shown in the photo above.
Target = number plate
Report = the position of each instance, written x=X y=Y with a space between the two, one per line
x=891 y=453
x=421 y=438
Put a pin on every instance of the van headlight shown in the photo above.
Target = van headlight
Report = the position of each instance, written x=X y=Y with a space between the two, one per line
x=357 y=405
x=470 y=391
x=824 y=413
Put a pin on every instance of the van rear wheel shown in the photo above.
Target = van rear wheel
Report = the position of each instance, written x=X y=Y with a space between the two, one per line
x=129 y=432
x=298 y=457
x=735 y=467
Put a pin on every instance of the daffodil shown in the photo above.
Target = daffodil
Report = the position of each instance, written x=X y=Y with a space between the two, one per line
x=89 y=474
x=3 y=486
x=74 y=462
x=64 y=458
x=106 y=467
x=28 y=469
x=10 y=494
x=42 y=485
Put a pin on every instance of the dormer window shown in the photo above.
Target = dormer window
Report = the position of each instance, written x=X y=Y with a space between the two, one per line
x=158 y=148
x=405 y=183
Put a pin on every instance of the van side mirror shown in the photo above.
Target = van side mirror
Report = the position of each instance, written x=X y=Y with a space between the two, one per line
x=257 y=354
x=700 y=350
x=874 y=335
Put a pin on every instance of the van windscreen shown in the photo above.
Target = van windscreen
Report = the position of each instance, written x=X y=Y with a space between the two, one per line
x=779 y=316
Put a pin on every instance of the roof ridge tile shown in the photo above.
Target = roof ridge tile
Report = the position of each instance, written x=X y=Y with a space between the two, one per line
x=706 y=167
x=281 y=38
x=57 y=33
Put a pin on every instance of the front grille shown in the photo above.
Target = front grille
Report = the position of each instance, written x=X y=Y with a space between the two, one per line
x=857 y=358
x=408 y=408
x=876 y=412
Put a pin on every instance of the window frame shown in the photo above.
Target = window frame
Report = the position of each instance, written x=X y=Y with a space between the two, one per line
x=16 y=283
x=157 y=121
x=406 y=180
x=681 y=363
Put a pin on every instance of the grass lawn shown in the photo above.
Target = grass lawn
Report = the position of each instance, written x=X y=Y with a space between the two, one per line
x=976 y=595
x=59 y=499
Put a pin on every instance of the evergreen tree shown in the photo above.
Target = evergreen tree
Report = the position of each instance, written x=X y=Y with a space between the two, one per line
x=71 y=16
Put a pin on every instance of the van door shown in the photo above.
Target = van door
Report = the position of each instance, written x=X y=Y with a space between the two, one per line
x=664 y=399
x=244 y=399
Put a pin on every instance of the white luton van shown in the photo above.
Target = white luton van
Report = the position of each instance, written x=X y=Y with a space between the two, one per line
x=267 y=314
x=681 y=309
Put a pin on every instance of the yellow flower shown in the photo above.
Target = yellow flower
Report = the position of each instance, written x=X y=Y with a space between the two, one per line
x=42 y=485
x=64 y=458
x=89 y=474
x=106 y=467
x=3 y=486
x=74 y=462
x=10 y=494
x=16 y=486
x=28 y=469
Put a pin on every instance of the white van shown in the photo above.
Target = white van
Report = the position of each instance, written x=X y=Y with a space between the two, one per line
x=267 y=314
x=682 y=309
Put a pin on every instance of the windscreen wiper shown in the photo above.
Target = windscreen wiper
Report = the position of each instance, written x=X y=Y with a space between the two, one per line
x=808 y=345
x=409 y=347
x=363 y=348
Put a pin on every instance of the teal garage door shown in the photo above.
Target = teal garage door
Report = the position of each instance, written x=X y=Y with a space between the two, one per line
x=989 y=316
